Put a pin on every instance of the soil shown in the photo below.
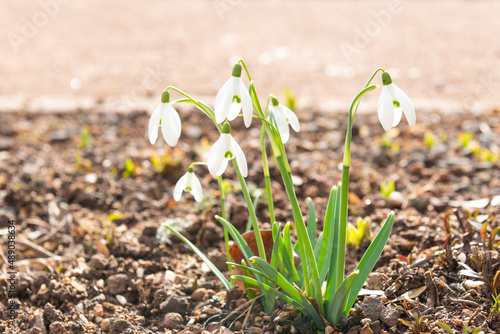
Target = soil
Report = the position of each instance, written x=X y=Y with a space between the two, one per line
x=92 y=255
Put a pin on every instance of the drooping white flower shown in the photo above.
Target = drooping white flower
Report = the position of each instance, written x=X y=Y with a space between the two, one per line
x=284 y=116
x=169 y=119
x=225 y=149
x=393 y=102
x=233 y=97
x=189 y=183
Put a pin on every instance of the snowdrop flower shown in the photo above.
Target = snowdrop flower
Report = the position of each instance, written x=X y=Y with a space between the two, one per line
x=231 y=98
x=392 y=103
x=189 y=183
x=225 y=149
x=169 y=119
x=283 y=117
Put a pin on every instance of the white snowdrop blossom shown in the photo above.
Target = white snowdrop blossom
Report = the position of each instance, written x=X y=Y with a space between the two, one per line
x=392 y=103
x=188 y=183
x=225 y=149
x=233 y=97
x=169 y=119
x=284 y=116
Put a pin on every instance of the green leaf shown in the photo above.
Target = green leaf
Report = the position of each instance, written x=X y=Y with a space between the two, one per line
x=334 y=277
x=369 y=260
x=249 y=222
x=287 y=288
x=328 y=235
x=311 y=222
x=445 y=327
x=287 y=255
x=334 y=310
x=209 y=263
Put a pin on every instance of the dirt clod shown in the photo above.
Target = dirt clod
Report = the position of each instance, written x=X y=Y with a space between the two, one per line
x=117 y=283
x=172 y=320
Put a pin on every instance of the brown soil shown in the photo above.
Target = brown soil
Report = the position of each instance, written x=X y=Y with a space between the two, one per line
x=92 y=256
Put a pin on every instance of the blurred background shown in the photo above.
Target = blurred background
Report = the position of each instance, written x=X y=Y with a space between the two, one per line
x=119 y=55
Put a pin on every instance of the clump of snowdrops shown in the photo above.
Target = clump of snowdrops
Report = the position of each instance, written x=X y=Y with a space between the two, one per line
x=318 y=286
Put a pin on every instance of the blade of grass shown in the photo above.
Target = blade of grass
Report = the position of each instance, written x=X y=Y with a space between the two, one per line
x=328 y=230
x=311 y=222
x=334 y=313
x=249 y=222
x=209 y=263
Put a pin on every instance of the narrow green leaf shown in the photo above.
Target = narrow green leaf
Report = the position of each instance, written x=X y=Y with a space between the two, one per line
x=334 y=312
x=334 y=277
x=445 y=327
x=209 y=263
x=263 y=287
x=328 y=230
x=286 y=286
x=311 y=222
x=288 y=258
x=249 y=222
x=369 y=260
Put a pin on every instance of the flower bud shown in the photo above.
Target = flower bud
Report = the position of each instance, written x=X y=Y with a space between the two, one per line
x=237 y=70
x=386 y=78
x=165 y=97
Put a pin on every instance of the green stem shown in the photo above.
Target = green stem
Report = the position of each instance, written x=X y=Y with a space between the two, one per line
x=340 y=271
x=267 y=177
x=223 y=211
x=251 y=211
x=202 y=106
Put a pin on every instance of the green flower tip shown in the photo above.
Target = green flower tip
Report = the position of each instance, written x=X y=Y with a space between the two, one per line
x=237 y=70
x=386 y=78
x=275 y=101
x=165 y=97
x=190 y=169
x=226 y=128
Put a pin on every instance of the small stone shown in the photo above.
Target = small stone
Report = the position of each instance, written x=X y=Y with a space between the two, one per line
x=51 y=314
x=176 y=304
x=395 y=200
x=372 y=307
x=390 y=315
x=105 y=325
x=100 y=283
x=366 y=330
x=98 y=262
x=98 y=310
x=172 y=320
x=354 y=330
x=122 y=300
x=258 y=330
x=198 y=294
x=57 y=327
x=39 y=322
x=257 y=319
x=102 y=247
x=418 y=203
x=375 y=281
x=118 y=325
x=169 y=276
x=140 y=272
x=472 y=285
x=117 y=283
x=328 y=330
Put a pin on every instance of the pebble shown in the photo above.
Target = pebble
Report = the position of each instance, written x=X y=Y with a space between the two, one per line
x=117 y=283
x=140 y=272
x=256 y=330
x=372 y=307
x=39 y=322
x=105 y=325
x=176 y=304
x=57 y=327
x=79 y=308
x=122 y=300
x=118 y=326
x=390 y=315
x=172 y=320
x=198 y=294
x=98 y=262
x=366 y=330
x=100 y=283
x=98 y=310
x=395 y=200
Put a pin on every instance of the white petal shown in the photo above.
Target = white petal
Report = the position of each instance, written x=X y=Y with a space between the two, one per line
x=398 y=113
x=179 y=187
x=223 y=101
x=240 y=158
x=234 y=110
x=385 y=109
x=197 y=190
x=291 y=118
x=216 y=155
x=222 y=167
x=170 y=125
x=154 y=124
x=246 y=102
x=406 y=105
x=282 y=123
